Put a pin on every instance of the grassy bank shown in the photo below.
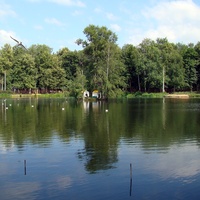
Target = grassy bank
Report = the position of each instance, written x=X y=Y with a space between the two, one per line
x=63 y=95
x=146 y=95
x=5 y=95
x=160 y=95
x=10 y=95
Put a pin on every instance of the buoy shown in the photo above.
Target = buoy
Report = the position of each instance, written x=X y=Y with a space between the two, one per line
x=63 y=108
x=32 y=106
x=106 y=110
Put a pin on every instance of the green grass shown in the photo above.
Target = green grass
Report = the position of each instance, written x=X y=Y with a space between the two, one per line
x=10 y=95
x=160 y=95
x=146 y=95
x=64 y=95
x=5 y=95
x=55 y=95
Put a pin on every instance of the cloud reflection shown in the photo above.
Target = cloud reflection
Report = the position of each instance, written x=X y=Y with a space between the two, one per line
x=179 y=163
x=23 y=190
x=64 y=182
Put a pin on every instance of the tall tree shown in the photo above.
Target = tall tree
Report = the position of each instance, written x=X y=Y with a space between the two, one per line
x=69 y=62
x=190 y=63
x=172 y=65
x=197 y=49
x=149 y=67
x=54 y=77
x=43 y=60
x=74 y=65
x=6 y=61
x=130 y=56
x=104 y=65
x=23 y=73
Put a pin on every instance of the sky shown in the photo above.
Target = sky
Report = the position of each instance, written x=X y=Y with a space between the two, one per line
x=59 y=23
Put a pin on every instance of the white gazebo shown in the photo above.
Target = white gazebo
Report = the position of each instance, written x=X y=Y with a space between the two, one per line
x=86 y=94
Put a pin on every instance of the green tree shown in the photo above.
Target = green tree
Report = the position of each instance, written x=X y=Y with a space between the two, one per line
x=149 y=65
x=104 y=66
x=73 y=64
x=6 y=62
x=49 y=72
x=76 y=85
x=130 y=56
x=54 y=78
x=69 y=62
x=190 y=62
x=172 y=65
x=197 y=49
x=42 y=55
x=23 y=73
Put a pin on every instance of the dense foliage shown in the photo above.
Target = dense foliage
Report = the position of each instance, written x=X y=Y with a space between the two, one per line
x=152 y=66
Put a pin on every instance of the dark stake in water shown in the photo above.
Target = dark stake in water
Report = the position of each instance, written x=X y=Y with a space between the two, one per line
x=128 y=149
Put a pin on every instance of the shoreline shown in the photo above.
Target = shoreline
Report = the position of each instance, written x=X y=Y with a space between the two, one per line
x=177 y=96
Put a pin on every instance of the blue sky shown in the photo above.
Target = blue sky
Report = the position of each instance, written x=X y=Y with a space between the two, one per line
x=58 y=23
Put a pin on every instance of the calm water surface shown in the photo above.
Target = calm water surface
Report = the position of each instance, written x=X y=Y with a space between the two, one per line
x=139 y=149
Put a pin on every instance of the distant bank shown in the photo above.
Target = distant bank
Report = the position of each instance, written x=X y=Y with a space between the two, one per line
x=177 y=96
x=130 y=95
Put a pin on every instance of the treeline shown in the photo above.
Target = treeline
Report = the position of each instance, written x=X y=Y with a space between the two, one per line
x=152 y=66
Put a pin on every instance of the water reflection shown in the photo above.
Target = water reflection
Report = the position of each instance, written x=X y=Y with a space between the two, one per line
x=22 y=190
x=99 y=151
x=68 y=150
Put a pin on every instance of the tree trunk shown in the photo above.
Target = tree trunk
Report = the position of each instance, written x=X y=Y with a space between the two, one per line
x=139 y=87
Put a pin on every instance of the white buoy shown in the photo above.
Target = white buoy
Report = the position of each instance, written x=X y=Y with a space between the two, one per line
x=32 y=106
x=106 y=110
x=63 y=108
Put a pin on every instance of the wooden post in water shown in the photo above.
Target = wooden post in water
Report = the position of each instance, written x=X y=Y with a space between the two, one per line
x=130 y=179
x=130 y=170
x=24 y=167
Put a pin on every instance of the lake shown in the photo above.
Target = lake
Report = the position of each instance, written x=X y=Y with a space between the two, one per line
x=120 y=149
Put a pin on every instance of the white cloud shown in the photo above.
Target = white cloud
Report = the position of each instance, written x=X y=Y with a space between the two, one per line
x=115 y=27
x=34 y=1
x=53 y=21
x=111 y=16
x=177 y=20
x=5 y=37
x=77 y=13
x=97 y=10
x=5 y=11
x=38 y=27
x=69 y=2
x=174 y=12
